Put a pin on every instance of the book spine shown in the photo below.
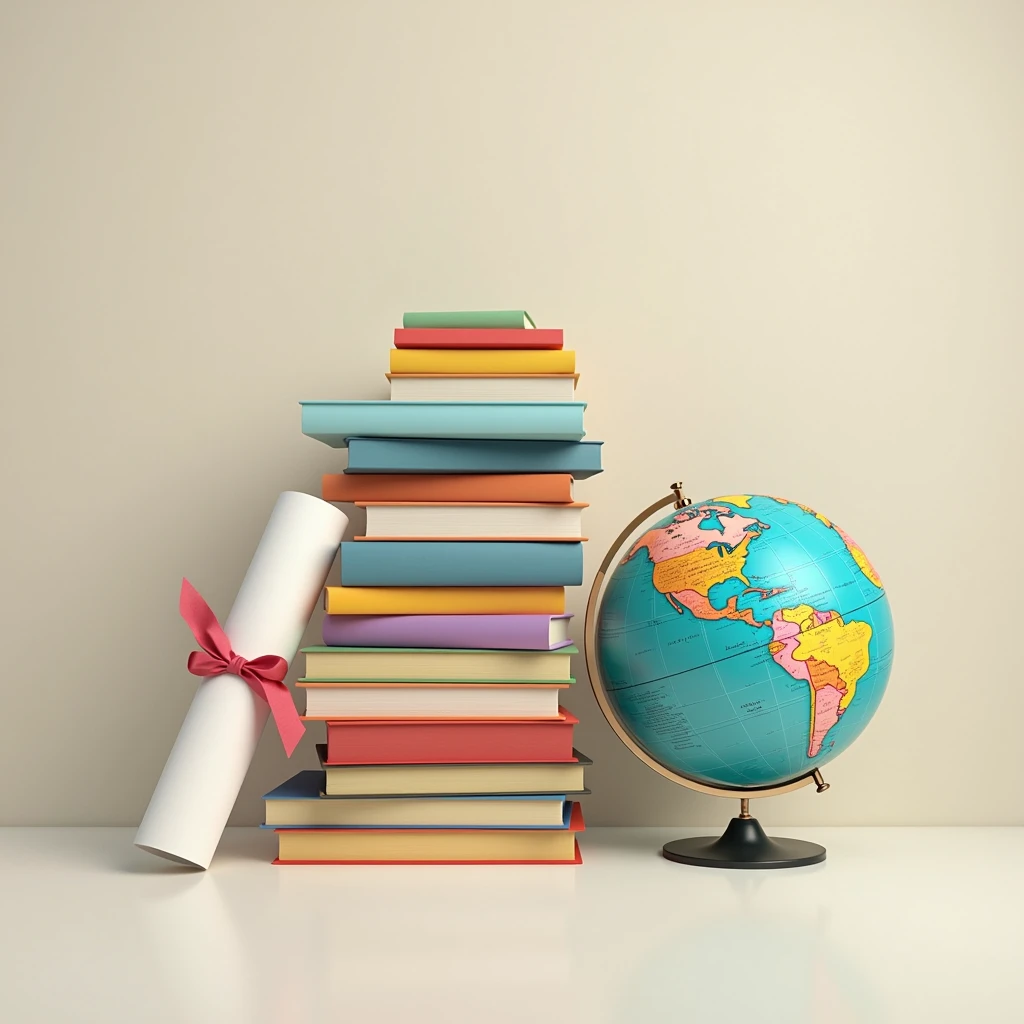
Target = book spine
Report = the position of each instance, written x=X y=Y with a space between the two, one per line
x=449 y=362
x=490 y=632
x=442 y=600
x=448 y=742
x=476 y=338
x=334 y=423
x=461 y=564
x=549 y=488
x=385 y=455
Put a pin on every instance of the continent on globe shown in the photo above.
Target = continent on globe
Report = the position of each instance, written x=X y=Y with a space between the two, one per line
x=704 y=545
x=826 y=653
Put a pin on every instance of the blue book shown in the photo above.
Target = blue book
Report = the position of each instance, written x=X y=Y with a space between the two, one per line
x=460 y=563
x=392 y=455
x=301 y=803
x=335 y=422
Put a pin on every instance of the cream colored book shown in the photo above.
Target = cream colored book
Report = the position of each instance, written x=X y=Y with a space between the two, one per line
x=439 y=779
x=479 y=387
x=394 y=664
x=473 y=520
x=429 y=700
x=318 y=811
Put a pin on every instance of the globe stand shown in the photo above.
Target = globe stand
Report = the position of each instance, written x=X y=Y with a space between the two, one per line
x=743 y=844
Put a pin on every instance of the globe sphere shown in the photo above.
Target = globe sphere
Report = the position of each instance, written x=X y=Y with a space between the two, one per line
x=744 y=641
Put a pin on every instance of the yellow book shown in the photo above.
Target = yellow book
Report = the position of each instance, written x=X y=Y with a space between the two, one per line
x=444 y=600
x=502 y=361
x=495 y=844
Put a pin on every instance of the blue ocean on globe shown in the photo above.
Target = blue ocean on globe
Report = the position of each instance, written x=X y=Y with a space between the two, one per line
x=745 y=641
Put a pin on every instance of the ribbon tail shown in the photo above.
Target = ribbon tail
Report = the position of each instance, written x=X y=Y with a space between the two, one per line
x=286 y=718
x=204 y=625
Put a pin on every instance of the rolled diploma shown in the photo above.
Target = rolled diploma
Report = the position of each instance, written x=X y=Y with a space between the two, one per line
x=208 y=762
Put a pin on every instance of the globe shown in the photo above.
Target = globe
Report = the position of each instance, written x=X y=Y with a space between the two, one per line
x=744 y=641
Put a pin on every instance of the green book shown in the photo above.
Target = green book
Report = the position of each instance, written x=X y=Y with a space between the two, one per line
x=503 y=319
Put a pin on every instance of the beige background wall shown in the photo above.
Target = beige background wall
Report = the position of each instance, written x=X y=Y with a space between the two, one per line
x=785 y=239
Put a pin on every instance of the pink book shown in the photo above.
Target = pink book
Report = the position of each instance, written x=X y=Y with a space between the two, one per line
x=477 y=337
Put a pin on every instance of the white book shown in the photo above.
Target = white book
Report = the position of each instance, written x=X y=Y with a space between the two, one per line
x=435 y=388
x=458 y=700
x=474 y=520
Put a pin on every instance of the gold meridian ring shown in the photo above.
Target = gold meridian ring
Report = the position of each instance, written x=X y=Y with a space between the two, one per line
x=598 y=685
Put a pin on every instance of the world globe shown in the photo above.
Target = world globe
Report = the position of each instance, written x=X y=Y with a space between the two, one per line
x=744 y=641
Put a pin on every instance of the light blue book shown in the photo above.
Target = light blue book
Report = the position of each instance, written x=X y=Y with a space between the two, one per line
x=300 y=802
x=417 y=455
x=335 y=422
x=464 y=563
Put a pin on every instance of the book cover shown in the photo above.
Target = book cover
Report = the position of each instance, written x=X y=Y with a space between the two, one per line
x=334 y=423
x=391 y=664
x=477 y=338
x=581 y=459
x=431 y=846
x=545 y=778
x=463 y=319
x=444 y=600
x=506 y=632
x=555 y=488
x=502 y=361
x=390 y=741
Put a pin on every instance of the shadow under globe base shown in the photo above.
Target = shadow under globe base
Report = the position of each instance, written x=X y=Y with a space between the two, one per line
x=744 y=844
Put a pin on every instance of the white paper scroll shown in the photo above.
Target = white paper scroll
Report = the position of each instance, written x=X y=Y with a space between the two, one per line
x=207 y=764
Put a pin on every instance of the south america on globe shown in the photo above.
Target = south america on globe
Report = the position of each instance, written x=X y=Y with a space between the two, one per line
x=745 y=641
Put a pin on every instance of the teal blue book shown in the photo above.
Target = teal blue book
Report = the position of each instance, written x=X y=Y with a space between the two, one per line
x=300 y=802
x=503 y=319
x=414 y=455
x=335 y=422
x=460 y=563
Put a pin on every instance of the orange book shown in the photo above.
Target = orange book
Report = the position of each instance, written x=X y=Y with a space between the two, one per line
x=507 y=487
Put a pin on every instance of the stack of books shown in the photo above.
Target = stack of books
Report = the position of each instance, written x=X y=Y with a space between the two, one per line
x=446 y=647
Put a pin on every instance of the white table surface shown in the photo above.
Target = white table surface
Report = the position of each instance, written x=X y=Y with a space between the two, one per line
x=908 y=925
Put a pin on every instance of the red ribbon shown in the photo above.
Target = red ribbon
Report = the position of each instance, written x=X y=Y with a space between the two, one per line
x=264 y=676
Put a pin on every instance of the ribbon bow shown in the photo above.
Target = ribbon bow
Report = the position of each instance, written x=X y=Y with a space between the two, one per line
x=264 y=676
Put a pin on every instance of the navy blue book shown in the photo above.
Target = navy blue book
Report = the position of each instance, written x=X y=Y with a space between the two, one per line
x=460 y=563
x=422 y=455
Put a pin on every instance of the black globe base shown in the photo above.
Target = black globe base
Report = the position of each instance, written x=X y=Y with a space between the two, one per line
x=743 y=844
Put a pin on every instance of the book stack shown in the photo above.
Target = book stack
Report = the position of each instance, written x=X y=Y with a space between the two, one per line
x=446 y=646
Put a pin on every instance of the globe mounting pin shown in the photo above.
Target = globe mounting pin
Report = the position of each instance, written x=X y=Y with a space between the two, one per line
x=819 y=782
x=681 y=500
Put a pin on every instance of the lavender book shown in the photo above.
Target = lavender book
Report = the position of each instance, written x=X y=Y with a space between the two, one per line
x=497 y=632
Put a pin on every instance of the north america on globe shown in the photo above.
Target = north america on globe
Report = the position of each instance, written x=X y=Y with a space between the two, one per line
x=745 y=640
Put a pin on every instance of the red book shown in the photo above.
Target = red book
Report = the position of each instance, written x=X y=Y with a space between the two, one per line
x=417 y=741
x=477 y=337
